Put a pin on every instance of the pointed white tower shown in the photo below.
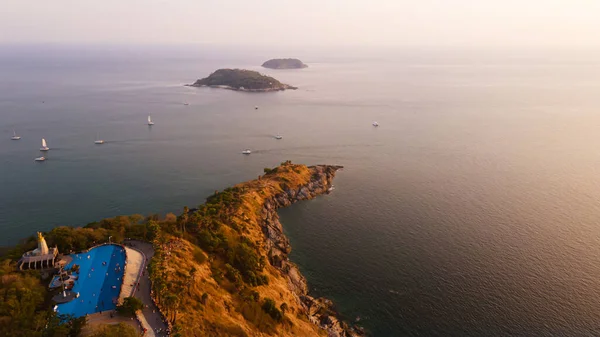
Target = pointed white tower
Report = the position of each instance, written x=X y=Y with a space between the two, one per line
x=42 y=245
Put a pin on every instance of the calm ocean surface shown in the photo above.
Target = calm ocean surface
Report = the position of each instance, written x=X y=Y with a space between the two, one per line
x=474 y=209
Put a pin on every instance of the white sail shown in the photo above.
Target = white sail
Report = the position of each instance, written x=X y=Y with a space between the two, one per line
x=149 y=119
x=14 y=133
x=44 y=143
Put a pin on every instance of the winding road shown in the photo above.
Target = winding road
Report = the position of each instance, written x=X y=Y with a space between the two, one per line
x=150 y=314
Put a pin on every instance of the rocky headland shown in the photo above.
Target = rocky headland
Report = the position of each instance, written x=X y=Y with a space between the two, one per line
x=221 y=269
x=242 y=80
x=288 y=63
x=320 y=311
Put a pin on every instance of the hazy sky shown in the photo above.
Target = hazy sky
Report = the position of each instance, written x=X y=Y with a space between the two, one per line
x=308 y=22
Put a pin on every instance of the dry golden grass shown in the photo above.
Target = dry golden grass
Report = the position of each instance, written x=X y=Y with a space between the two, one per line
x=226 y=312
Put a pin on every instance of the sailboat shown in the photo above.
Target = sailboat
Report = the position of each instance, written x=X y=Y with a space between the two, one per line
x=15 y=137
x=44 y=146
x=98 y=140
x=150 y=122
x=278 y=136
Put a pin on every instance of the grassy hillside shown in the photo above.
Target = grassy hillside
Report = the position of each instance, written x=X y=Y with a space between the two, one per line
x=211 y=272
x=213 y=278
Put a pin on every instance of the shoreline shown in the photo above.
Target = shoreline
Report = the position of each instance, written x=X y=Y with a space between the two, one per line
x=319 y=310
x=286 y=87
x=249 y=210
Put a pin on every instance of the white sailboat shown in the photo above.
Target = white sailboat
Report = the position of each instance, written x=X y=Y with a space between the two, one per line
x=150 y=122
x=278 y=136
x=15 y=137
x=44 y=146
x=98 y=140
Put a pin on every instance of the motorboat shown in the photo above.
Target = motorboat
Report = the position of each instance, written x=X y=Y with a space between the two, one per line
x=98 y=140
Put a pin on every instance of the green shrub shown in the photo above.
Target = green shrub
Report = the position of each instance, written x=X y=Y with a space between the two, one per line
x=199 y=255
x=233 y=274
x=270 y=308
x=130 y=306
x=253 y=313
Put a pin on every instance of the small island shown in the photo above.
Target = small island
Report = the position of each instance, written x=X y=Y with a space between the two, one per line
x=242 y=80
x=284 y=64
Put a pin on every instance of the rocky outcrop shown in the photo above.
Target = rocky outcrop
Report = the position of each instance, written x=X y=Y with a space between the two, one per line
x=288 y=63
x=242 y=80
x=318 y=310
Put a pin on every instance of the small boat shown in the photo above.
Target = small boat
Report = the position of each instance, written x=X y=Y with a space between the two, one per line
x=44 y=146
x=278 y=136
x=150 y=122
x=15 y=137
x=186 y=103
x=40 y=158
x=246 y=151
x=98 y=140
x=375 y=124
x=330 y=189
x=256 y=107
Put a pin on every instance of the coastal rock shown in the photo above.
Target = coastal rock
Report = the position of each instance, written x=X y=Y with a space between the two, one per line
x=319 y=311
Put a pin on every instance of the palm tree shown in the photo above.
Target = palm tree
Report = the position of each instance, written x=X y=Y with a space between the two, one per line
x=184 y=217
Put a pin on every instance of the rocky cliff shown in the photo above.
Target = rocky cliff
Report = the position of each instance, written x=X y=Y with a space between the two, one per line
x=319 y=311
x=227 y=264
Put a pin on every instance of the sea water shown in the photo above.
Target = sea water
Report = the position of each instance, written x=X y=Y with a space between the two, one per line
x=471 y=210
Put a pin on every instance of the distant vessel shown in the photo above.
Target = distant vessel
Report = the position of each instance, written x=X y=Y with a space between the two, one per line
x=256 y=107
x=15 y=137
x=44 y=146
x=150 y=122
x=278 y=136
x=375 y=124
x=98 y=140
x=40 y=159
x=186 y=103
x=246 y=151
